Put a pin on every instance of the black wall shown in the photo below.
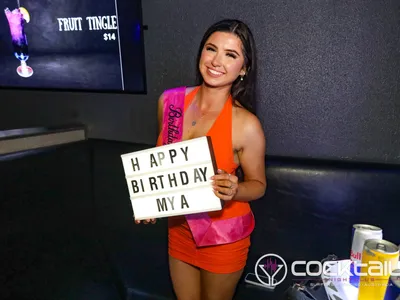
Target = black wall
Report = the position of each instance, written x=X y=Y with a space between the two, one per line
x=328 y=77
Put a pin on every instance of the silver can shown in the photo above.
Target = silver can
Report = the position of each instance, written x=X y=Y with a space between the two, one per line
x=360 y=233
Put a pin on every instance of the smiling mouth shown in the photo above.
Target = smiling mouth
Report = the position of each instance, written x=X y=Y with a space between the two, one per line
x=215 y=73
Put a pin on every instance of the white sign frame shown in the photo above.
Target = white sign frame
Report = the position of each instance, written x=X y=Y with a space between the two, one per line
x=172 y=180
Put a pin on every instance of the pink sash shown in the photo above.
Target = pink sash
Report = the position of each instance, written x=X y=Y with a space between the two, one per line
x=205 y=231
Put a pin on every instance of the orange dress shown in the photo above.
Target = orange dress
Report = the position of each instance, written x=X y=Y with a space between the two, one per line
x=226 y=258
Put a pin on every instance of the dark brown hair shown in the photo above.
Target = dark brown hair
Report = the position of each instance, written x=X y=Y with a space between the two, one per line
x=242 y=90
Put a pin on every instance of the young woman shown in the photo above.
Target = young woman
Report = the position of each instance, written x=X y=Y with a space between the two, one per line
x=220 y=106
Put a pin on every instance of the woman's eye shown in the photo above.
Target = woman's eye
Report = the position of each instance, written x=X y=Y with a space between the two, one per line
x=231 y=55
x=209 y=49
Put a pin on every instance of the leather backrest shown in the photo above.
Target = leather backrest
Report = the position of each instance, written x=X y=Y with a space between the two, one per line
x=310 y=206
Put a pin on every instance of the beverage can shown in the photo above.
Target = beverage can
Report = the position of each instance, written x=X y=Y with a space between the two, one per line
x=379 y=259
x=360 y=233
x=393 y=287
x=364 y=227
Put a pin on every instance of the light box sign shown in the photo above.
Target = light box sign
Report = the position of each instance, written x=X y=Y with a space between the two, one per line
x=171 y=180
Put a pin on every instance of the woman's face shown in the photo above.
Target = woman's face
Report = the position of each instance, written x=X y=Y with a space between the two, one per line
x=222 y=59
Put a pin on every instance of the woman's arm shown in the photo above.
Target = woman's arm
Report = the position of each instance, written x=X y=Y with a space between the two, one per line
x=252 y=161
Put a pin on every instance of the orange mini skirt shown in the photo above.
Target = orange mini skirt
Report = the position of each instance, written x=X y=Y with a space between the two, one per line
x=222 y=259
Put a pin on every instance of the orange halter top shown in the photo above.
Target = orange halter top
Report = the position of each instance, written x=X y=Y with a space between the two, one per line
x=221 y=137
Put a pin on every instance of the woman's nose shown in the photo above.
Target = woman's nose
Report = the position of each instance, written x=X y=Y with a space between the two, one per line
x=216 y=60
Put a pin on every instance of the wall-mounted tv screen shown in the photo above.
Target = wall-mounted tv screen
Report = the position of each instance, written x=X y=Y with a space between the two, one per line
x=94 y=45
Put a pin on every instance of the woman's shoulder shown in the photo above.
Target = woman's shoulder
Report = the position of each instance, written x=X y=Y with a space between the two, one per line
x=241 y=114
x=246 y=122
x=188 y=89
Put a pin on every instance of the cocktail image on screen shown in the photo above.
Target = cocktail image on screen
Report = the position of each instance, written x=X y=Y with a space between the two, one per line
x=17 y=18
x=74 y=45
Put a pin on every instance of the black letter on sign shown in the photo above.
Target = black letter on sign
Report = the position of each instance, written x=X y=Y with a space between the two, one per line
x=172 y=180
x=141 y=183
x=135 y=164
x=172 y=154
x=135 y=187
x=161 y=156
x=184 y=202
x=162 y=205
x=161 y=177
x=153 y=160
x=171 y=201
x=185 y=152
x=197 y=175
x=152 y=181
x=204 y=173
x=184 y=181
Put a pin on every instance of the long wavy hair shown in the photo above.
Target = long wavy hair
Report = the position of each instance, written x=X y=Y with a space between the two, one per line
x=242 y=90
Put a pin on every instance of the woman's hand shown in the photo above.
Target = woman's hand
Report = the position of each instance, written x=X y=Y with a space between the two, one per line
x=225 y=185
x=152 y=221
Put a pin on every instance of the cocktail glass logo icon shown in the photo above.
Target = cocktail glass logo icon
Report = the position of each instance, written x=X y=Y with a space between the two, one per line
x=273 y=268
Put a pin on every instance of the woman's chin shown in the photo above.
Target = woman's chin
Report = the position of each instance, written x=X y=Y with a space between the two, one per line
x=210 y=84
x=216 y=83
